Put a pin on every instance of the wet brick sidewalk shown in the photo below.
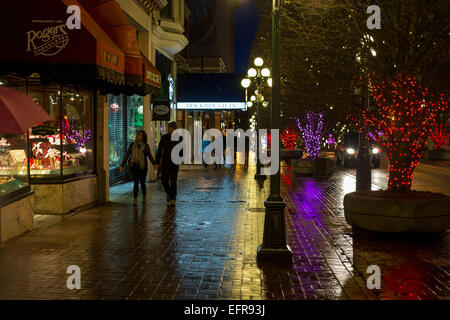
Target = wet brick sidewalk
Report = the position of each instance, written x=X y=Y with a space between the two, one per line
x=205 y=248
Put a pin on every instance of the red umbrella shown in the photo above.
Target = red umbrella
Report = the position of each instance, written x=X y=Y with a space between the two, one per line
x=18 y=112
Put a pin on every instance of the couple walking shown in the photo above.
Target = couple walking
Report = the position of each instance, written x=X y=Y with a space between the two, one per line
x=139 y=151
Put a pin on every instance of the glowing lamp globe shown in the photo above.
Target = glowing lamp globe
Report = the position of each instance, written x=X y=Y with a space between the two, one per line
x=265 y=72
x=245 y=83
x=252 y=72
x=258 y=62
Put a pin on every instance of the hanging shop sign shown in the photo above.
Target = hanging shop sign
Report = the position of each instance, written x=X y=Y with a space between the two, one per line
x=161 y=111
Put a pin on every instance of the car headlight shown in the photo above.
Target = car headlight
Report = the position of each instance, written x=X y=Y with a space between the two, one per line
x=375 y=150
x=350 y=151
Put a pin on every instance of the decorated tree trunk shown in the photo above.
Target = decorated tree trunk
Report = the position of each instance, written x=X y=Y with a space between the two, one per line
x=312 y=129
x=289 y=136
x=405 y=114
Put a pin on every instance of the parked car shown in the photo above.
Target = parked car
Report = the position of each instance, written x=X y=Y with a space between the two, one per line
x=346 y=153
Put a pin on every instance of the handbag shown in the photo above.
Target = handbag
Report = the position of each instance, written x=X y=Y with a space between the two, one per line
x=129 y=167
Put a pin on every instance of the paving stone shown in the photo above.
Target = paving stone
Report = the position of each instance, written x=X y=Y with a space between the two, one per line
x=205 y=247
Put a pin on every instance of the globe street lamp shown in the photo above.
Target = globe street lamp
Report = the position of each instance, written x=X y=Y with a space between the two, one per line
x=259 y=76
x=273 y=247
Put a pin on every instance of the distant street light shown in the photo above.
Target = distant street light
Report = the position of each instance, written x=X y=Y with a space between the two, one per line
x=260 y=78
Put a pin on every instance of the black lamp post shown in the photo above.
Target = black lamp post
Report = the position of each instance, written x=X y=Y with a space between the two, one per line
x=274 y=246
x=363 y=169
x=259 y=76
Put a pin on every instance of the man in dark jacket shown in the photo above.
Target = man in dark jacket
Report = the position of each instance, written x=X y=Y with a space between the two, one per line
x=169 y=170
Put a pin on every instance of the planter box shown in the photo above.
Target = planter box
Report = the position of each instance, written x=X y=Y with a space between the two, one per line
x=303 y=167
x=291 y=154
x=319 y=168
x=378 y=214
x=324 y=167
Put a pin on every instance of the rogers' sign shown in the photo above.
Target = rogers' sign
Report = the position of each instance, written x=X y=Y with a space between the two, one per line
x=47 y=42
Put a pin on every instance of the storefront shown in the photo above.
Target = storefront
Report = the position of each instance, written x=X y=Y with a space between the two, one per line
x=74 y=75
x=126 y=115
x=126 y=119
x=210 y=100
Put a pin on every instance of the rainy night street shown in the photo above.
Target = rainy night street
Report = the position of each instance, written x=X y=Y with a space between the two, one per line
x=205 y=247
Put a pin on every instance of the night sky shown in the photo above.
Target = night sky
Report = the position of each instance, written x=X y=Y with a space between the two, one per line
x=246 y=27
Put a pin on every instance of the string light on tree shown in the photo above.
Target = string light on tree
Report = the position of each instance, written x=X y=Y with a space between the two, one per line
x=289 y=136
x=440 y=136
x=406 y=114
x=311 y=129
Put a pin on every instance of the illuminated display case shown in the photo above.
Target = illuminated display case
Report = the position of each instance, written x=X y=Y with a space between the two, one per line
x=13 y=164
x=14 y=178
x=54 y=151
x=63 y=146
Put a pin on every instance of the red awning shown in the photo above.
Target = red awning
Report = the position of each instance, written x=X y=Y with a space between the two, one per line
x=113 y=20
x=152 y=77
x=37 y=40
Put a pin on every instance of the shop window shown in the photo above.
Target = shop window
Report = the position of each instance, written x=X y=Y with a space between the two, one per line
x=77 y=129
x=63 y=145
x=135 y=116
x=13 y=151
x=117 y=137
x=13 y=163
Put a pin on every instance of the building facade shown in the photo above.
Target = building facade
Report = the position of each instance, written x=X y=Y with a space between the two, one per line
x=97 y=84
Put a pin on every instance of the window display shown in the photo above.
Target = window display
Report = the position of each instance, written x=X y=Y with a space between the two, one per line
x=77 y=124
x=61 y=148
x=13 y=163
x=63 y=145
x=13 y=150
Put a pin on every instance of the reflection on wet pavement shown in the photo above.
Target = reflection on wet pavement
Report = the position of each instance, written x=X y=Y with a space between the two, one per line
x=205 y=247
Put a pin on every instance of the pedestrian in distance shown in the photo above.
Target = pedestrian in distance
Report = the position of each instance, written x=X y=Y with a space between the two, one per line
x=205 y=143
x=169 y=170
x=138 y=151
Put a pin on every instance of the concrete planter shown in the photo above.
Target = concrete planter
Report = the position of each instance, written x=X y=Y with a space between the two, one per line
x=365 y=211
x=323 y=167
x=303 y=167
x=319 y=168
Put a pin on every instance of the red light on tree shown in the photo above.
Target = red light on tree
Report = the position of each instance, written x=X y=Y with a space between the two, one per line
x=440 y=136
x=289 y=136
x=405 y=113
